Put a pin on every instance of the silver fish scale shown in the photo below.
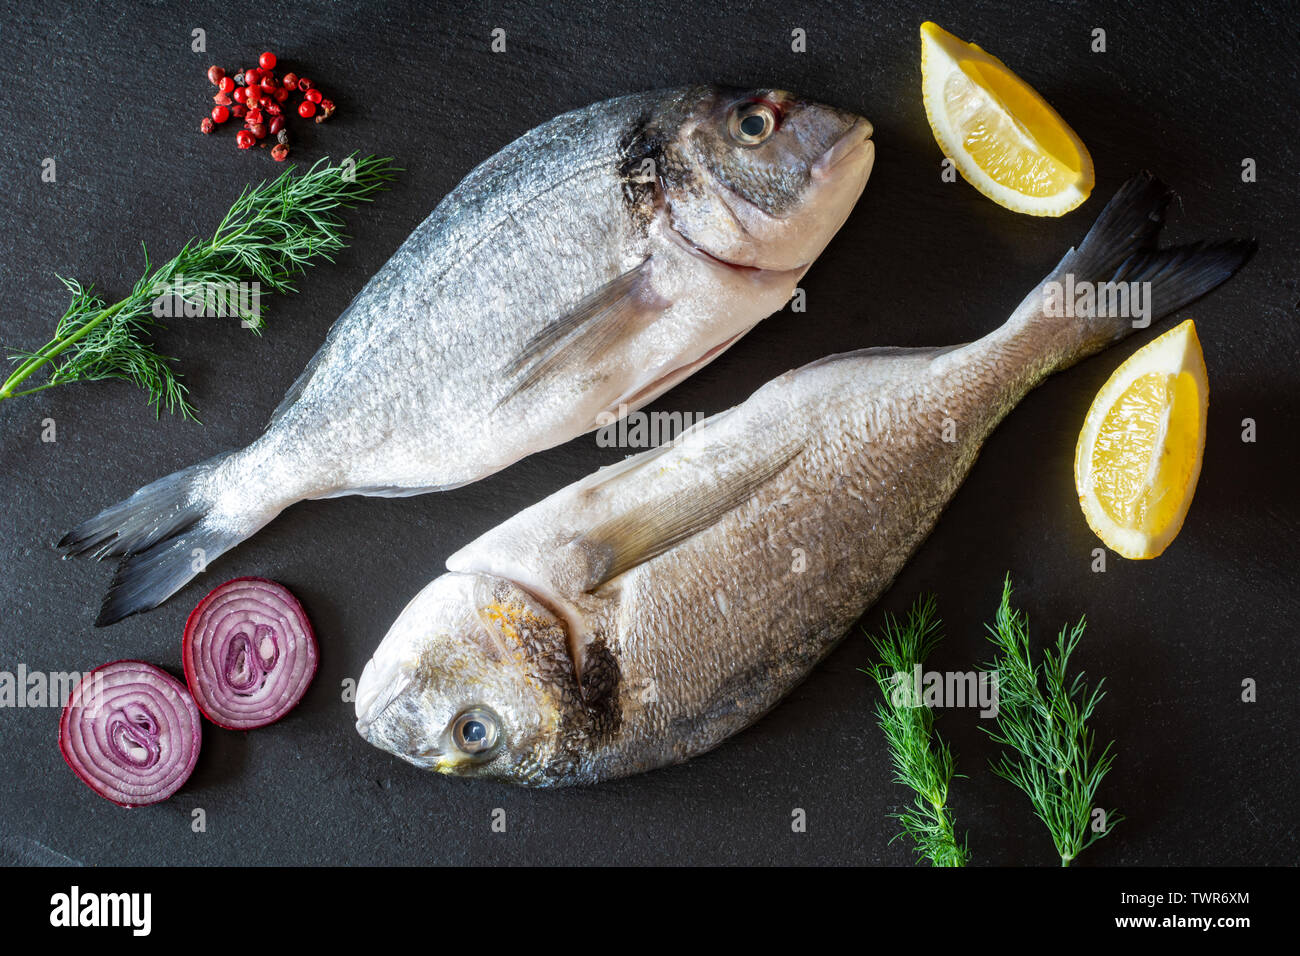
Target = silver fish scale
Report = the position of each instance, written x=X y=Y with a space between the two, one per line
x=849 y=511
x=407 y=384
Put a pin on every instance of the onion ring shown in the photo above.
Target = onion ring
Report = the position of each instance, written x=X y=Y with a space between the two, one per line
x=131 y=732
x=249 y=653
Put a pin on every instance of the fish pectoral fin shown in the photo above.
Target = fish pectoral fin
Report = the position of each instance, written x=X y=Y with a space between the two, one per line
x=626 y=540
x=598 y=481
x=593 y=325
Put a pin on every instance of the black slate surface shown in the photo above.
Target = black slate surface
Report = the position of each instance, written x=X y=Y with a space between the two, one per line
x=114 y=94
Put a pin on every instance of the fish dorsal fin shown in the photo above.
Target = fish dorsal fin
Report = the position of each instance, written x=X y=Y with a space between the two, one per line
x=640 y=534
x=587 y=330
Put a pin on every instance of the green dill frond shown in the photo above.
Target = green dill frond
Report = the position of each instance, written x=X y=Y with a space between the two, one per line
x=922 y=761
x=270 y=235
x=1043 y=719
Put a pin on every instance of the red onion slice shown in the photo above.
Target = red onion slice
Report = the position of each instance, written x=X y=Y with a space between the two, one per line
x=249 y=653
x=131 y=732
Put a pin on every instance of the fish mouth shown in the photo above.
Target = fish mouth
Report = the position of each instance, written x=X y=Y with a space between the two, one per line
x=376 y=693
x=375 y=696
x=855 y=141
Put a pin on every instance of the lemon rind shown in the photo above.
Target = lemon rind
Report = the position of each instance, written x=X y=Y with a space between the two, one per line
x=1175 y=351
x=937 y=42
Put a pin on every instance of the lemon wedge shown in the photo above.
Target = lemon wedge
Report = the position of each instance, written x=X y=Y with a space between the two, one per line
x=1140 y=450
x=1003 y=137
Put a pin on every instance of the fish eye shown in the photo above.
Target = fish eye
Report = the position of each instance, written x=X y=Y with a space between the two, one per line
x=751 y=123
x=475 y=731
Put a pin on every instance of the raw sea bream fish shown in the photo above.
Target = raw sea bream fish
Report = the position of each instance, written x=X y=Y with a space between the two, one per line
x=641 y=616
x=583 y=270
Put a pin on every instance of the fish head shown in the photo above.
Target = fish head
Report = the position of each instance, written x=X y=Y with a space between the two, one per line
x=762 y=178
x=474 y=678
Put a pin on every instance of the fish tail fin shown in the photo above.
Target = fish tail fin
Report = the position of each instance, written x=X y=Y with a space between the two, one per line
x=1119 y=281
x=166 y=533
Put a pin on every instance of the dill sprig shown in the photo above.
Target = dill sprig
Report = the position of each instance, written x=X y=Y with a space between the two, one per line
x=1045 y=725
x=270 y=235
x=922 y=761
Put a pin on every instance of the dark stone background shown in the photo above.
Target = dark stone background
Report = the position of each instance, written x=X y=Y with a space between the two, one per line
x=115 y=95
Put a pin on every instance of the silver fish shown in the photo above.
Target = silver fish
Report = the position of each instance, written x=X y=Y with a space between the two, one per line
x=586 y=268
x=641 y=616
